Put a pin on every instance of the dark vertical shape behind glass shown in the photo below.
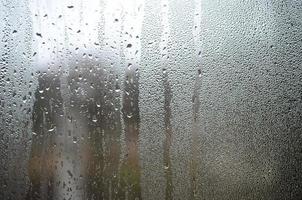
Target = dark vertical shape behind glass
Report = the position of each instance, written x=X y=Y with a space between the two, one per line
x=99 y=109
x=195 y=132
x=47 y=113
x=130 y=169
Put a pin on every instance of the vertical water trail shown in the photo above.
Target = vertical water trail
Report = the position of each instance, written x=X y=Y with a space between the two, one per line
x=130 y=170
x=196 y=29
x=167 y=99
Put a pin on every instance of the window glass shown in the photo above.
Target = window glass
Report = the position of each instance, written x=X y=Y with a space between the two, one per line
x=150 y=99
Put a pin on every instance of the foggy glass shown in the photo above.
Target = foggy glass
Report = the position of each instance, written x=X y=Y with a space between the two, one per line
x=150 y=99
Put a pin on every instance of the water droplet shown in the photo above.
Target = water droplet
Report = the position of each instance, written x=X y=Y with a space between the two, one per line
x=94 y=119
x=129 y=66
x=199 y=72
x=52 y=129
x=39 y=34
x=69 y=173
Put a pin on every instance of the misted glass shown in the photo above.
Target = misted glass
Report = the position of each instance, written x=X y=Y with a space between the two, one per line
x=150 y=99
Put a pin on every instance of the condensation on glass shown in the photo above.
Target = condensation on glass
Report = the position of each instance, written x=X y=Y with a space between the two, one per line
x=150 y=99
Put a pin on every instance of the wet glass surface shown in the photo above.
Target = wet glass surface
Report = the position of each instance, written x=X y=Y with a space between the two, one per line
x=150 y=99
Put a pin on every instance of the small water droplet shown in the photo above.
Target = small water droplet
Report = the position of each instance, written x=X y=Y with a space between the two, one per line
x=69 y=173
x=199 y=72
x=129 y=66
x=94 y=119
x=39 y=34
x=52 y=129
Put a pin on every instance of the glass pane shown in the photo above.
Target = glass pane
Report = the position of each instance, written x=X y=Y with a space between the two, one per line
x=150 y=99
